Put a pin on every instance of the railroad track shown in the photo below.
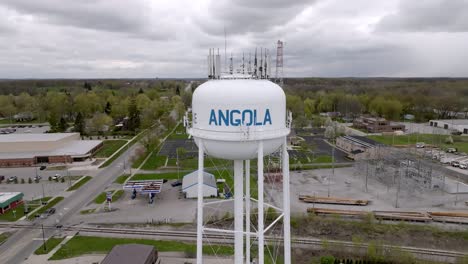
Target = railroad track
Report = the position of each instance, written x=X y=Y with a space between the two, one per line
x=227 y=238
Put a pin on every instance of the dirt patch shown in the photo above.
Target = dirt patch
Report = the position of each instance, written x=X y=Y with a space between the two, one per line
x=367 y=230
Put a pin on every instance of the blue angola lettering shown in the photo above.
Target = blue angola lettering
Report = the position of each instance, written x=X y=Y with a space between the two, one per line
x=237 y=117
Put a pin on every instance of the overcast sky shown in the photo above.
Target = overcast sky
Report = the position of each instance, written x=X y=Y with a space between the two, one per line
x=170 y=38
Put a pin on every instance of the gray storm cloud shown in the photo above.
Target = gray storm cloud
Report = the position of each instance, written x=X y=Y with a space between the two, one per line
x=167 y=38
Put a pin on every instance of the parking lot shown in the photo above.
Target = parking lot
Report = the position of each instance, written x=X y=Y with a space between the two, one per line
x=169 y=148
x=21 y=129
x=34 y=190
x=323 y=148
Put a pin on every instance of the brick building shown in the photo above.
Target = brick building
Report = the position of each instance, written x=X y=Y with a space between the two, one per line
x=9 y=201
x=377 y=125
x=22 y=150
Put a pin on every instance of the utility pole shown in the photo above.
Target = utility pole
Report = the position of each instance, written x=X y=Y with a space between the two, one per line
x=43 y=238
x=43 y=193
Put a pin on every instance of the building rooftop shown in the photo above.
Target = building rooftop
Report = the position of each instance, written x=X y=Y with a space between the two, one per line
x=458 y=122
x=8 y=197
x=129 y=253
x=191 y=179
x=364 y=141
x=73 y=149
x=8 y=138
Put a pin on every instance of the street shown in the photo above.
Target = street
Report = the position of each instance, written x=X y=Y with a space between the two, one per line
x=23 y=243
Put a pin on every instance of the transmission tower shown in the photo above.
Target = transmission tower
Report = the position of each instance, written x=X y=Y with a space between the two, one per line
x=279 y=63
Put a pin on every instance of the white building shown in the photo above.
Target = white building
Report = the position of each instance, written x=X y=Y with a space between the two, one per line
x=460 y=125
x=190 y=185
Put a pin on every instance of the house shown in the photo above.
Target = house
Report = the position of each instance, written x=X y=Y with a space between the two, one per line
x=358 y=147
x=190 y=185
x=456 y=125
x=131 y=253
x=377 y=125
x=9 y=201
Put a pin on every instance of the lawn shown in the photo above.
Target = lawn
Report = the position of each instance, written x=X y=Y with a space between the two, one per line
x=133 y=141
x=323 y=159
x=109 y=147
x=117 y=195
x=460 y=142
x=51 y=243
x=158 y=176
x=154 y=161
x=81 y=245
x=50 y=204
x=100 y=198
x=121 y=179
x=79 y=183
x=137 y=162
x=179 y=133
x=10 y=217
x=4 y=236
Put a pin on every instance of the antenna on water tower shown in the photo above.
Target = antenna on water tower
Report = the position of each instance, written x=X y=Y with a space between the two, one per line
x=279 y=63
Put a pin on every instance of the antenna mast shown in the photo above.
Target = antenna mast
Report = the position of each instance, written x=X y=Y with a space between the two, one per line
x=279 y=63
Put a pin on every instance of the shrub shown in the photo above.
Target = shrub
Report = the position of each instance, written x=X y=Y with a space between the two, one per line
x=62 y=179
x=50 y=178
x=327 y=260
x=16 y=180
x=29 y=180
x=23 y=181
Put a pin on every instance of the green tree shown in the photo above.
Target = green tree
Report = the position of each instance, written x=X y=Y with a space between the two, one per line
x=100 y=123
x=63 y=125
x=108 y=108
x=133 y=116
x=79 y=124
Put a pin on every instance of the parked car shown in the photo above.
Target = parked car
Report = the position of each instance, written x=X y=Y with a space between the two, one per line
x=43 y=167
x=455 y=163
x=451 y=150
x=420 y=145
x=37 y=178
x=176 y=183
x=12 y=179
x=56 y=177
x=463 y=165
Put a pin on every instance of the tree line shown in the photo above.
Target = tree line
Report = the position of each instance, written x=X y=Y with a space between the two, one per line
x=385 y=97
x=92 y=107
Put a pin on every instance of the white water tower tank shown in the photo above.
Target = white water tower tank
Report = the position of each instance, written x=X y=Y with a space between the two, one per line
x=229 y=115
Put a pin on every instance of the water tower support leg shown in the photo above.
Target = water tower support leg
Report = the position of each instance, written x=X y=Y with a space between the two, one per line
x=286 y=206
x=200 y=204
x=247 y=211
x=261 y=235
x=238 y=212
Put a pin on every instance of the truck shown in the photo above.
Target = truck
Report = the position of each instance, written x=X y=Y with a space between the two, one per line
x=463 y=164
x=456 y=161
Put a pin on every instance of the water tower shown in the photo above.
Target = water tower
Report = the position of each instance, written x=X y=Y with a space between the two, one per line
x=241 y=117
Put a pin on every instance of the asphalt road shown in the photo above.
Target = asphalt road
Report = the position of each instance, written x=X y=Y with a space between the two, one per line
x=25 y=241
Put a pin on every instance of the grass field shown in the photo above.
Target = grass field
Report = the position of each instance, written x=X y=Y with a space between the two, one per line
x=130 y=143
x=136 y=163
x=117 y=195
x=44 y=208
x=51 y=243
x=11 y=217
x=157 y=176
x=78 y=184
x=81 y=245
x=4 y=236
x=100 y=198
x=154 y=161
x=109 y=147
x=179 y=133
x=121 y=179
x=460 y=142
